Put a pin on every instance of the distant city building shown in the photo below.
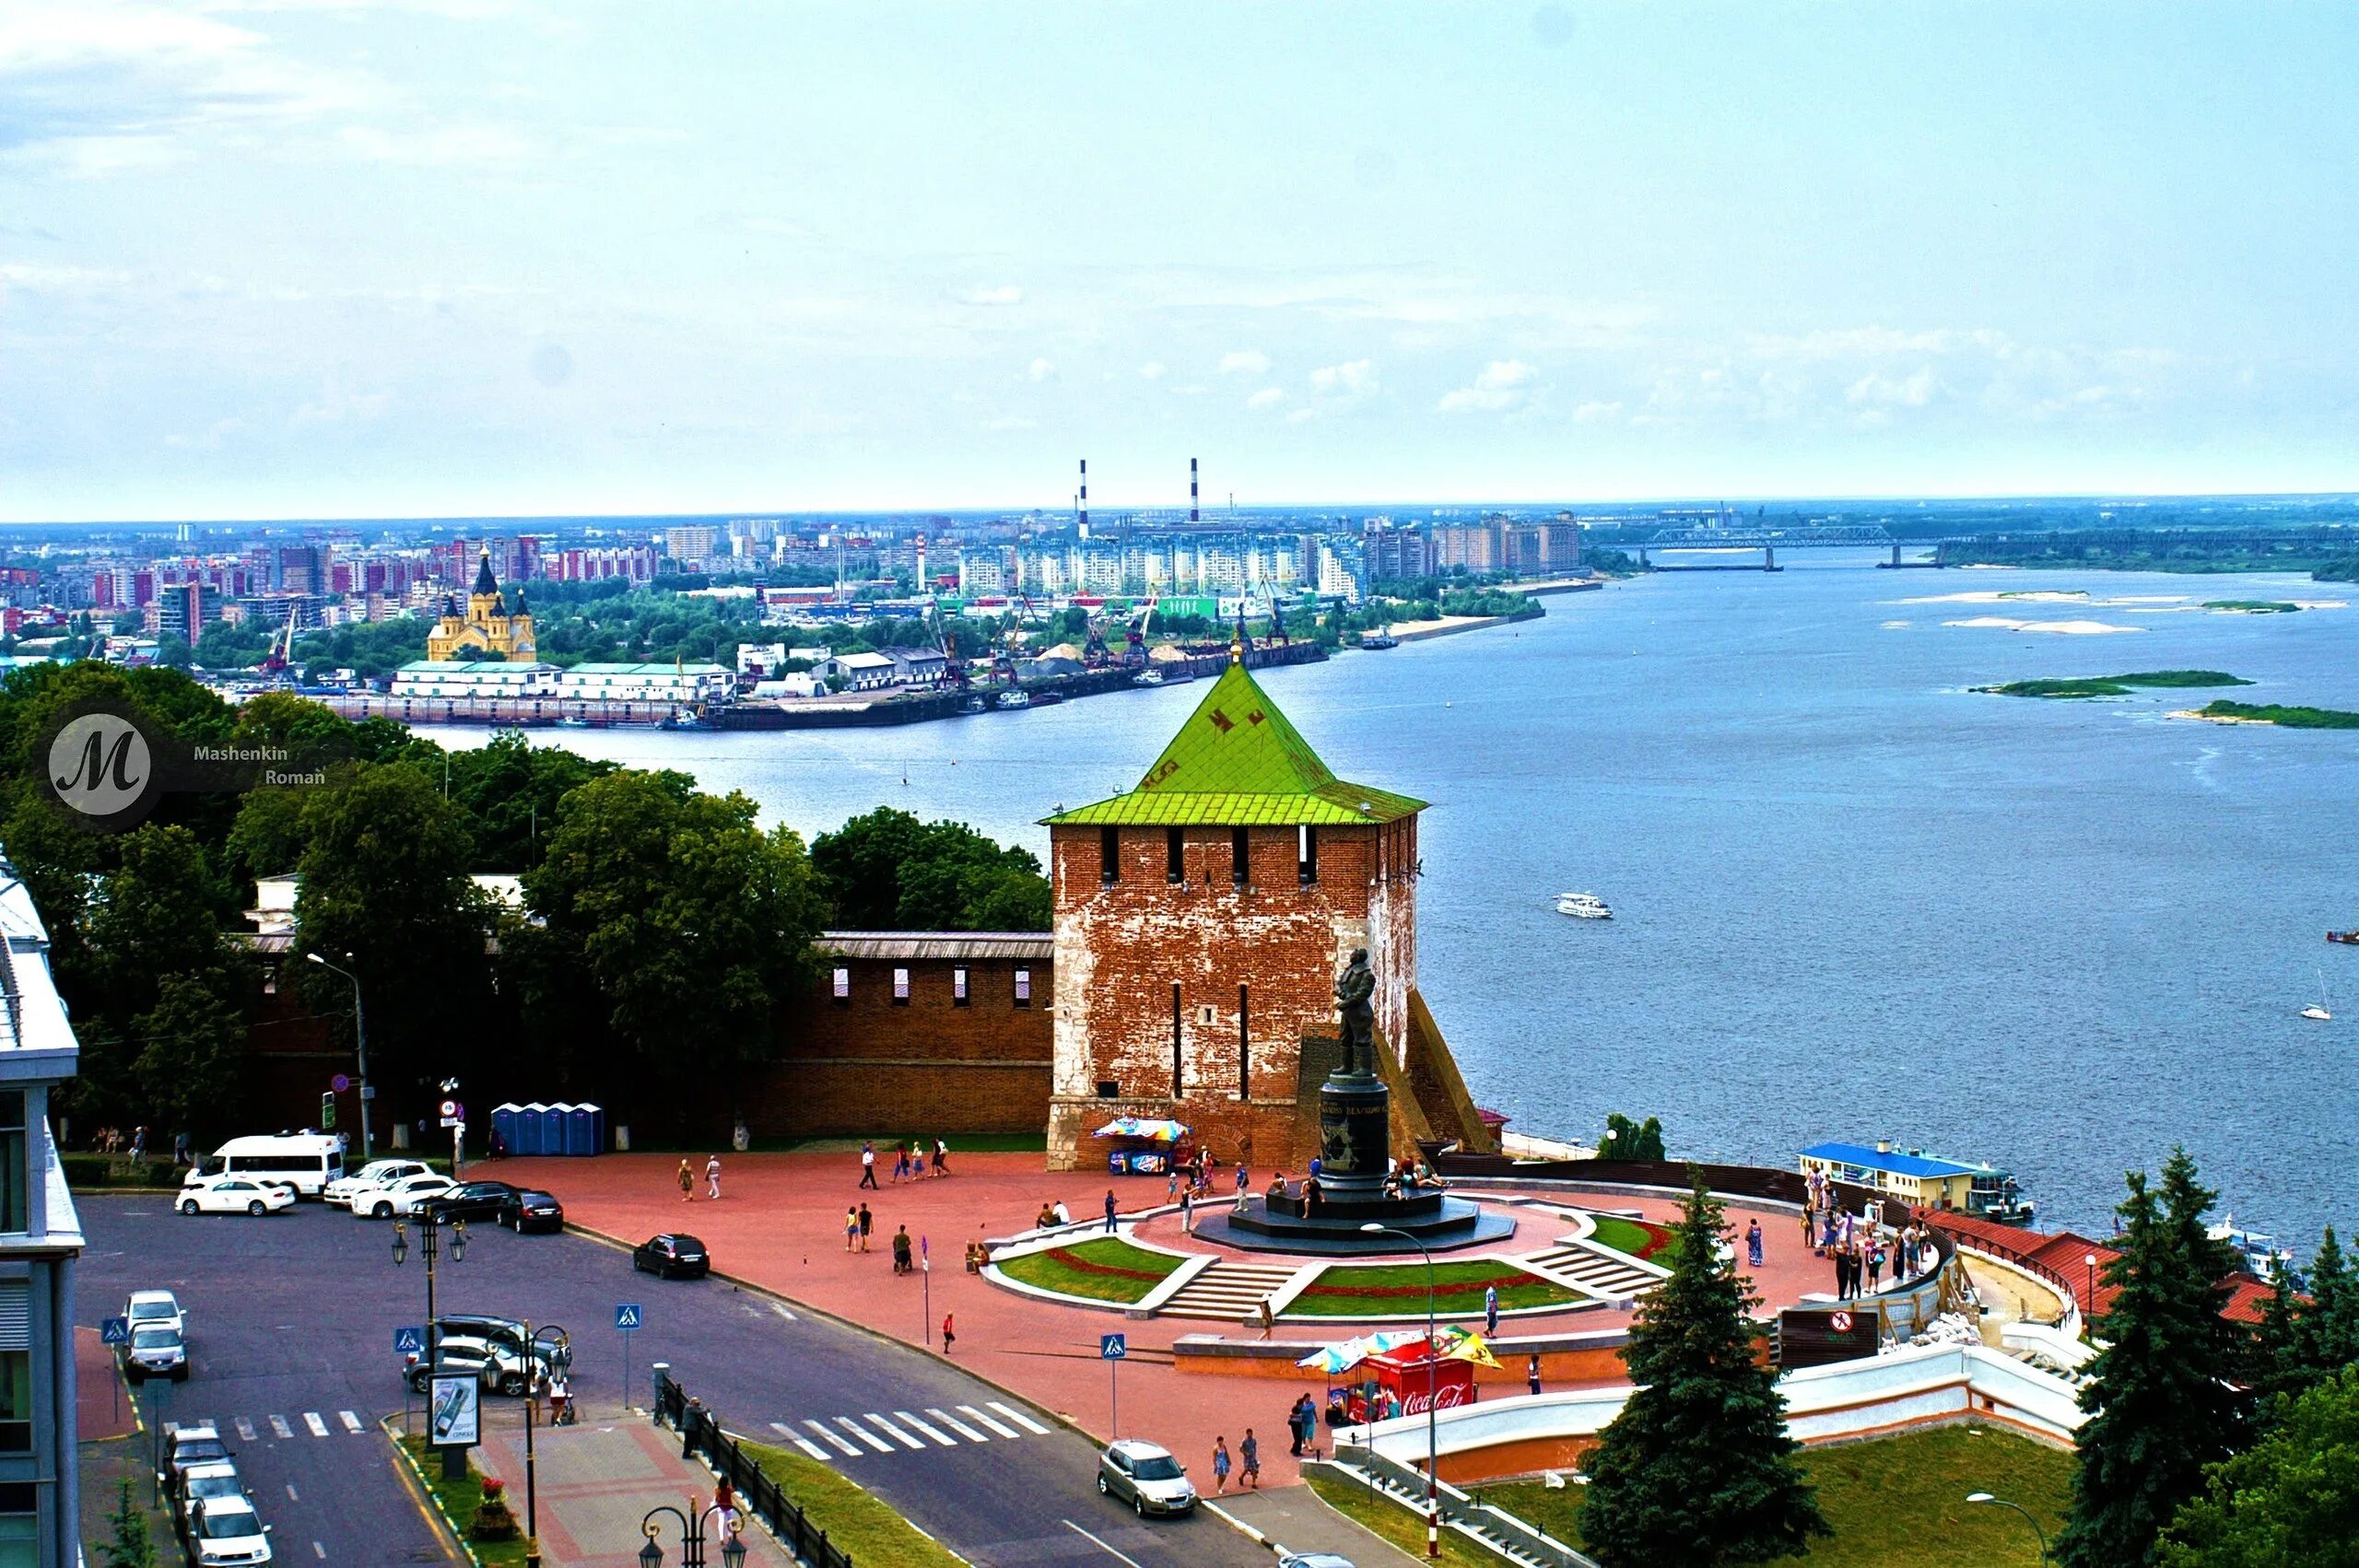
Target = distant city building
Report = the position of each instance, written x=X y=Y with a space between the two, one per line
x=859 y=672
x=1470 y=546
x=690 y=545
x=486 y=630
x=635 y=563
x=183 y=610
x=650 y=681
x=759 y=659
x=473 y=679
x=1397 y=554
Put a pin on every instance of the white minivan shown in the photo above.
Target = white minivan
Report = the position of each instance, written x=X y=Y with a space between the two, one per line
x=304 y=1161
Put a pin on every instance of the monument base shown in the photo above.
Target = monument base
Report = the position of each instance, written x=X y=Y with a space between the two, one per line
x=1332 y=1229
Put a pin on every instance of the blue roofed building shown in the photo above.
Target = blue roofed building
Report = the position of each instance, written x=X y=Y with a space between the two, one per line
x=1906 y=1176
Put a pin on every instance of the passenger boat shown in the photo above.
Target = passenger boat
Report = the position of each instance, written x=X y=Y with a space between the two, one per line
x=1380 y=640
x=1014 y=697
x=1147 y=678
x=1583 y=906
x=2259 y=1255
x=2351 y=937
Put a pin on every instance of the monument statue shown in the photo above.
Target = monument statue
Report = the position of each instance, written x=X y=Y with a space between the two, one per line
x=1355 y=988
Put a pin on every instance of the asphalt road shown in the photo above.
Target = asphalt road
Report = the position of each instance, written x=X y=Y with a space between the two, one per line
x=291 y=1326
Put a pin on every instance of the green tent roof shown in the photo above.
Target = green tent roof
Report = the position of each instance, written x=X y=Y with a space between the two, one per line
x=1237 y=762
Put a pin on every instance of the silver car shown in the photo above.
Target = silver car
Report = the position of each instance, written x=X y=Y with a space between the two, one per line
x=156 y=1350
x=1145 y=1477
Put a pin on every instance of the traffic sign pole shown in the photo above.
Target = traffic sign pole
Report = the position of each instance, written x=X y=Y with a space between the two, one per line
x=1112 y=1349
x=629 y=1316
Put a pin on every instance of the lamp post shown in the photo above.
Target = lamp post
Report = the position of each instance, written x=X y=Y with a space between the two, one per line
x=694 y=1537
x=360 y=1042
x=2089 y=1318
x=2029 y=1518
x=429 y=1235
x=1433 y=1384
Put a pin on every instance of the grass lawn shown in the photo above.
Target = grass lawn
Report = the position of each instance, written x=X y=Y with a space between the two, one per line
x=1399 y=1290
x=854 y=1521
x=458 y=1500
x=1897 y=1501
x=1634 y=1238
x=1397 y=1524
x=1107 y=1268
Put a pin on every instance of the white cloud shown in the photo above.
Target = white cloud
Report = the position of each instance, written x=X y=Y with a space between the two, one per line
x=1001 y=294
x=1504 y=384
x=1268 y=397
x=1041 y=370
x=1880 y=392
x=1245 y=362
x=1597 y=412
x=1153 y=370
x=1354 y=378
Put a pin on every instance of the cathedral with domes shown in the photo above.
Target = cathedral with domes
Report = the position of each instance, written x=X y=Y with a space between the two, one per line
x=487 y=632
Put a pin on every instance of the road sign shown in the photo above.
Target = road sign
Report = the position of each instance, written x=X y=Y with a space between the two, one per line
x=452 y=1109
x=339 y=1082
x=328 y=1111
x=1112 y=1347
x=115 y=1330
x=454 y=1124
x=627 y=1315
x=409 y=1341
x=368 y=1091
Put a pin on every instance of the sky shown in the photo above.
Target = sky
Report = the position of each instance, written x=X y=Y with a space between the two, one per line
x=304 y=258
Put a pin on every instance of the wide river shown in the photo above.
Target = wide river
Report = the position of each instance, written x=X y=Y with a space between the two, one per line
x=1851 y=898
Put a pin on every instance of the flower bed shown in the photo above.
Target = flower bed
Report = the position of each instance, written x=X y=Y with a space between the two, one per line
x=1107 y=1268
x=1641 y=1239
x=1398 y=1290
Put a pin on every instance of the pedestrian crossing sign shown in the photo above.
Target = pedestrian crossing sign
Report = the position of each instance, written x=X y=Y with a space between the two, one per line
x=628 y=1314
x=115 y=1330
x=1112 y=1347
x=409 y=1341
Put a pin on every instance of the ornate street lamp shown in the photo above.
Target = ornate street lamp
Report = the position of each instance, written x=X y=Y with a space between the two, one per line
x=694 y=1537
x=1433 y=1403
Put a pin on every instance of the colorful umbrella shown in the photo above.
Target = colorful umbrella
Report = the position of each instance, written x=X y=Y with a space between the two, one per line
x=1159 y=1129
x=1463 y=1344
x=1348 y=1354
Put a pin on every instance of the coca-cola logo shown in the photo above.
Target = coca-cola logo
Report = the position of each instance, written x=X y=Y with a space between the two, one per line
x=1441 y=1398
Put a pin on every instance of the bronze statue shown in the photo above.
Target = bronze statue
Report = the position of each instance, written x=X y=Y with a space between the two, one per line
x=1353 y=987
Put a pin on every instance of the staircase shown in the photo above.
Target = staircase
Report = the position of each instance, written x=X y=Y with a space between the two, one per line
x=1228 y=1290
x=1502 y=1535
x=1599 y=1270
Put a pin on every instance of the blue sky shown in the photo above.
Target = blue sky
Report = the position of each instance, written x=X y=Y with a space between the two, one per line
x=304 y=258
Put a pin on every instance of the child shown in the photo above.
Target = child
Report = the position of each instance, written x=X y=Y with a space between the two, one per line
x=949 y=1335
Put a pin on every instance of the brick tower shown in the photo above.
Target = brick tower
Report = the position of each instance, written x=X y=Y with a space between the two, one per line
x=1201 y=921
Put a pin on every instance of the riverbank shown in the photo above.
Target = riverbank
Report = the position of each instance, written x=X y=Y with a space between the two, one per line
x=2287 y=718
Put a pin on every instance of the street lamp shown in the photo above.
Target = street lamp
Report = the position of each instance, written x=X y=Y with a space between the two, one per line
x=429 y=1235
x=1433 y=1377
x=360 y=1040
x=2034 y=1523
x=2089 y=1317
x=693 y=1537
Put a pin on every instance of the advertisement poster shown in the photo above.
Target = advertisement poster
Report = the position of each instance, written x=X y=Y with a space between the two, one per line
x=454 y=1421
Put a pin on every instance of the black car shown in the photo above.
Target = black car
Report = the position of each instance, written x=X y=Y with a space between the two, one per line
x=529 y=1210
x=672 y=1257
x=469 y=1200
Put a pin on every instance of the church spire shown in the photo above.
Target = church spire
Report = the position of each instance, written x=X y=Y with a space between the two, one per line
x=485 y=581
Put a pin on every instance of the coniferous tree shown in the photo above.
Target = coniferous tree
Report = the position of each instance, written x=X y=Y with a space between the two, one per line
x=2331 y=1325
x=2159 y=1404
x=2290 y=1502
x=2276 y=1367
x=1699 y=1468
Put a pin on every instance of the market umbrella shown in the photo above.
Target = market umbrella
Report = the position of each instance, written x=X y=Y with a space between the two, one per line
x=1463 y=1344
x=1346 y=1354
x=1160 y=1129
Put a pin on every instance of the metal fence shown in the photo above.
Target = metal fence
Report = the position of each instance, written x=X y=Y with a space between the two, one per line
x=700 y=1433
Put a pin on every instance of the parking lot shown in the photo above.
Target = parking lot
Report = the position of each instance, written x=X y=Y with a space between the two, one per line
x=292 y=1319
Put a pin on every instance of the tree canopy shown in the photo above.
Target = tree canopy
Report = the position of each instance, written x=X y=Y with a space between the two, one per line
x=2292 y=1501
x=887 y=871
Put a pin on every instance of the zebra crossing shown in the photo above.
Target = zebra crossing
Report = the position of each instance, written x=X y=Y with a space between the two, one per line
x=840 y=1438
x=316 y=1422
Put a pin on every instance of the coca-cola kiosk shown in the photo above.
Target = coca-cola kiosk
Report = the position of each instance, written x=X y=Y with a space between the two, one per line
x=1410 y=1374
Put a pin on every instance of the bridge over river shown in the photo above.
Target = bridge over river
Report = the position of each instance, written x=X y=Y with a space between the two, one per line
x=1769 y=541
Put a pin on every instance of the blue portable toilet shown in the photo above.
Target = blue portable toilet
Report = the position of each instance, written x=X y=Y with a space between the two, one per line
x=551 y=1130
x=585 y=1130
x=527 y=1140
x=503 y=1124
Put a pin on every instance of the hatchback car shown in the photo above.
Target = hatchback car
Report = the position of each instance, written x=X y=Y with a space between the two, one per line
x=531 y=1211
x=203 y=1483
x=1145 y=1477
x=228 y=1531
x=236 y=1195
x=155 y=1306
x=672 y=1257
x=157 y=1350
x=468 y=1201
x=196 y=1444
x=400 y=1196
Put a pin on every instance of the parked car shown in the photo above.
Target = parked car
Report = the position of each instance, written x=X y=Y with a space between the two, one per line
x=157 y=1350
x=400 y=1196
x=235 y=1194
x=496 y=1350
x=202 y=1483
x=228 y=1531
x=199 y=1443
x=155 y=1306
x=672 y=1257
x=1312 y=1560
x=468 y=1201
x=531 y=1210
x=375 y=1173
x=1146 y=1477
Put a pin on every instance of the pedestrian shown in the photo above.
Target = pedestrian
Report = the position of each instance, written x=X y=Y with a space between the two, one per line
x=1249 y=1450
x=712 y=1178
x=535 y=1391
x=1269 y=1320
x=139 y=1142
x=1318 y=1167
x=1490 y=1309
x=851 y=1227
x=1171 y=1185
x=1753 y=1243
x=560 y=1399
x=1220 y=1466
x=901 y=1250
x=725 y=1499
x=868 y=1165
x=1875 y=1266
x=180 y=1148
x=949 y=1334
x=866 y=1221
x=1294 y=1424
x=1244 y=1178
x=940 y=1158
x=1188 y=1212
x=1532 y=1375
x=687 y=1183
x=1109 y=1210
x=901 y=1162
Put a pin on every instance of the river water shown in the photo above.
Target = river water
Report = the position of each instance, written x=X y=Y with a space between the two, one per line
x=1852 y=899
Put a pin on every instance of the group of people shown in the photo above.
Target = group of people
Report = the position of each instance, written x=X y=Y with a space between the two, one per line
x=687 y=1179
x=1249 y=1449
x=910 y=1160
x=1861 y=1250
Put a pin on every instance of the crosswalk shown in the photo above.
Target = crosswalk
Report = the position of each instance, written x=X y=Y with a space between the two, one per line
x=316 y=1424
x=863 y=1436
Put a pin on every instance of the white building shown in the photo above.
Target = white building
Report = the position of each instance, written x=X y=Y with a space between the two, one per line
x=859 y=672
x=475 y=680
x=652 y=682
x=760 y=660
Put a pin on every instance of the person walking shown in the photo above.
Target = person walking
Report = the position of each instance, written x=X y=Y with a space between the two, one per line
x=712 y=1178
x=851 y=1227
x=1249 y=1449
x=1753 y=1243
x=1294 y=1424
x=1109 y=1210
x=139 y=1142
x=866 y=1222
x=1187 y=1211
x=900 y=1164
x=868 y=1165
x=560 y=1399
x=1220 y=1467
x=687 y=1183
x=1532 y=1376
x=1490 y=1309
x=940 y=1158
x=949 y=1334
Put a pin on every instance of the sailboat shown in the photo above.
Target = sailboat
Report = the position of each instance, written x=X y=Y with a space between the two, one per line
x=2319 y=1012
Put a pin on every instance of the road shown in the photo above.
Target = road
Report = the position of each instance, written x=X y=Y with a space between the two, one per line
x=291 y=1326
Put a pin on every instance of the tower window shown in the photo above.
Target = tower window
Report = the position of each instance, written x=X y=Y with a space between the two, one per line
x=1110 y=856
x=959 y=986
x=900 y=988
x=1024 y=988
x=1174 y=870
x=1241 y=860
x=1307 y=856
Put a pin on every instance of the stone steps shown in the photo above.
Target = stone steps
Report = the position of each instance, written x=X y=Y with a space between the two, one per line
x=1228 y=1292
x=1596 y=1269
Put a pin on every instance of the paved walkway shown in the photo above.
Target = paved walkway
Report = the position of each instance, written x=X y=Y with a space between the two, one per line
x=597 y=1483
x=101 y=1405
x=1293 y=1519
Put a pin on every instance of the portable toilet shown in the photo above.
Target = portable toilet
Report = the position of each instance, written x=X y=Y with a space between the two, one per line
x=503 y=1124
x=552 y=1129
x=585 y=1131
x=525 y=1136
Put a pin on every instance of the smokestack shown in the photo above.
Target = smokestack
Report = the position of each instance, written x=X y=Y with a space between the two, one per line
x=1191 y=489
x=1085 y=496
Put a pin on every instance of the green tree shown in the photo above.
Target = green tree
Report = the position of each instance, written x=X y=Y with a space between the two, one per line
x=1627 y=1139
x=2329 y=1339
x=2158 y=1400
x=2277 y=1368
x=157 y=920
x=1699 y=1468
x=191 y=1061
x=132 y=1545
x=2290 y=1502
x=887 y=871
x=510 y=789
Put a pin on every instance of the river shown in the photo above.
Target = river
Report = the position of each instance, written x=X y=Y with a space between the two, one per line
x=1852 y=899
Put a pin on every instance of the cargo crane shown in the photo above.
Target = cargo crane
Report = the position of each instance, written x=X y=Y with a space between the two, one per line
x=282 y=648
x=953 y=668
x=1134 y=635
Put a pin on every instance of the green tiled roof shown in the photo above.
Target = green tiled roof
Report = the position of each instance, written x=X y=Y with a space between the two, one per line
x=1238 y=762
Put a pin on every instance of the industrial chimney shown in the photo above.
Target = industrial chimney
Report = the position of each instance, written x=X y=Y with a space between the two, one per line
x=1084 y=498
x=1191 y=489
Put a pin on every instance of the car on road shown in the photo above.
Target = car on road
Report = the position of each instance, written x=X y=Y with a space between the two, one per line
x=203 y=1483
x=672 y=1256
x=1146 y=1477
x=1312 y=1560
x=400 y=1196
x=235 y=1194
x=529 y=1209
x=157 y=1350
x=226 y=1532
x=468 y=1201
x=375 y=1173
x=199 y=1443
x=155 y=1306
x=496 y=1354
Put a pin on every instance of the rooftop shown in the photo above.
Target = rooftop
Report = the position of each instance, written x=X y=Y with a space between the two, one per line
x=908 y=946
x=1893 y=1160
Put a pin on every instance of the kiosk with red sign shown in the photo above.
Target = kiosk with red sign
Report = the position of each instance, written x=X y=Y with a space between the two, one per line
x=1407 y=1375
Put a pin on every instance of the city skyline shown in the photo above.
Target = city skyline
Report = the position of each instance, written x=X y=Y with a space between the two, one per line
x=474 y=260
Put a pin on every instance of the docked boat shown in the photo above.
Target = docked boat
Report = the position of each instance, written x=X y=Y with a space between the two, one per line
x=973 y=704
x=1380 y=640
x=2258 y=1255
x=573 y=722
x=1920 y=1180
x=1583 y=906
x=1014 y=697
x=1147 y=678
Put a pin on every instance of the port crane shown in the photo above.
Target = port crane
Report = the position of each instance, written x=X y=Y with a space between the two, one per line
x=282 y=648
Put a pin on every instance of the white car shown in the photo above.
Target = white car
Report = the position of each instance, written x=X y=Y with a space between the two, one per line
x=201 y=1484
x=236 y=1195
x=227 y=1531
x=377 y=1172
x=155 y=1306
x=400 y=1196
